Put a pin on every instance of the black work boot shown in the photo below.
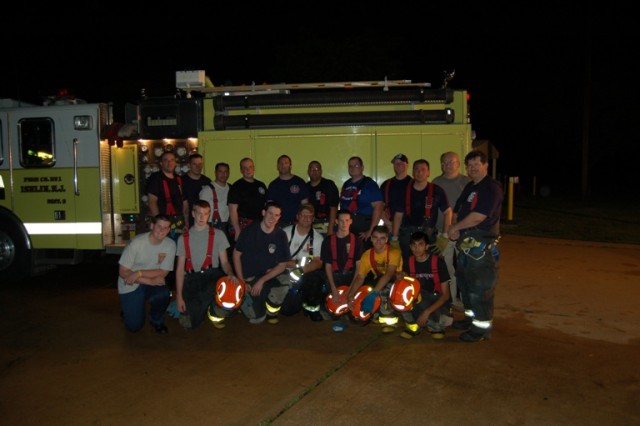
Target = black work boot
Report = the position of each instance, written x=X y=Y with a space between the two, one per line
x=463 y=324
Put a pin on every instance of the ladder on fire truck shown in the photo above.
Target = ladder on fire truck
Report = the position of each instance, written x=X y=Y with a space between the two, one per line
x=207 y=88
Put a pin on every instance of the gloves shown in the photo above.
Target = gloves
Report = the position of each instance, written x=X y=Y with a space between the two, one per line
x=469 y=243
x=369 y=302
x=172 y=310
x=296 y=274
x=440 y=245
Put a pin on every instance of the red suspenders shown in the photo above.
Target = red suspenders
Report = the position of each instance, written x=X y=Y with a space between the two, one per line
x=372 y=260
x=171 y=209
x=437 y=287
x=428 y=204
x=353 y=205
x=216 y=212
x=187 y=251
x=334 y=252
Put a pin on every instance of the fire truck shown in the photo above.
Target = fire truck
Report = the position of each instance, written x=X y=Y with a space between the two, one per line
x=72 y=178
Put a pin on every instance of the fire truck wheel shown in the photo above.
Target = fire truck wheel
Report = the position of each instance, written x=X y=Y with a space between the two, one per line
x=15 y=252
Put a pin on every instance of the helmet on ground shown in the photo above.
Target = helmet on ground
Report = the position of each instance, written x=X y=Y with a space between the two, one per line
x=229 y=294
x=359 y=297
x=338 y=306
x=404 y=293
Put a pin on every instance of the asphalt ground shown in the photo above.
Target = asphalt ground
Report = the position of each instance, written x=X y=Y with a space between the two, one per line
x=564 y=351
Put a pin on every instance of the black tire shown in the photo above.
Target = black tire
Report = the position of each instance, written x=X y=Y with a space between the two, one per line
x=15 y=248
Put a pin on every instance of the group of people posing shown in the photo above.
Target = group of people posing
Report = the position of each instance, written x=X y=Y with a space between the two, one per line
x=408 y=249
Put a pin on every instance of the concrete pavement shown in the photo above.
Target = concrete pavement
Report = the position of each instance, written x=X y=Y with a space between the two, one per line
x=564 y=351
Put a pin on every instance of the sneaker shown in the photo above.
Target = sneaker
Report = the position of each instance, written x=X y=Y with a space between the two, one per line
x=272 y=320
x=464 y=324
x=219 y=324
x=338 y=326
x=257 y=320
x=388 y=329
x=161 y=329
x=437 y=335
x=472 y=336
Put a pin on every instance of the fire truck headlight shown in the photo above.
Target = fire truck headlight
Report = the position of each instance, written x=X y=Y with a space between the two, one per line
x=82 y=122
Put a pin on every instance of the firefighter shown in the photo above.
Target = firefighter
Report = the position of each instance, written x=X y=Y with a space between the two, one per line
x=288 y=190
x=192 y=183
x=424 y=203
x=452 y=182
x=394 y=191
x=259 y=257
x=202 y=260
x=164 y=189
x=432 y=309
x=324 y=195
x=144 y=265
x=304 y=271
x=341 y=254
x=362 y=196
x=476 y=230
x=217 y=193
x=246 y=199
x=378 y=268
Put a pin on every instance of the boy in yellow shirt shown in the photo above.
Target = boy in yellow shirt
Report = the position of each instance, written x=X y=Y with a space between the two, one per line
x=378 y=268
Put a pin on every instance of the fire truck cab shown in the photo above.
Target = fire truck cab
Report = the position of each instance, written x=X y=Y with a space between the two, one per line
x=50 y=174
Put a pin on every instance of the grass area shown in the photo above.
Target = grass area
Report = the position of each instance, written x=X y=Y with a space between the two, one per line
x=614 y=220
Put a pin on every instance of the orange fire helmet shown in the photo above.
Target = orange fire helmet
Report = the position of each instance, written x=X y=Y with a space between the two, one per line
x=339 y=306
x=229 y=294
x=359 y=297
x=404 y=292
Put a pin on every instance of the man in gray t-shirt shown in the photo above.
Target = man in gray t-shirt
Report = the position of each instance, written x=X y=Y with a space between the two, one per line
x=143 y=268
x=453 y=182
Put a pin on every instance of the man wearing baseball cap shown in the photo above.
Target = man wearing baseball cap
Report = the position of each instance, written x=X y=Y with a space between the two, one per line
x=400 y=157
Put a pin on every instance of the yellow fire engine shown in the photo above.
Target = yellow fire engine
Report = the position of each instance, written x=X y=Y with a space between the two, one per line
x=72 y=180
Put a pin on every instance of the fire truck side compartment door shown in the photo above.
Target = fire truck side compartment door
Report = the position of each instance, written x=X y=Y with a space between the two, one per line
x=125 y=179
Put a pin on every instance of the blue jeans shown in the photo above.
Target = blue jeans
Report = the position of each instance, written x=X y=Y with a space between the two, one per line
x=133 y=306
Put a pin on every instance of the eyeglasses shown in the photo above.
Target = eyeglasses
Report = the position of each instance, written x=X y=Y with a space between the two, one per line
x=446 y=163
x=314 y=169
x=354 y=166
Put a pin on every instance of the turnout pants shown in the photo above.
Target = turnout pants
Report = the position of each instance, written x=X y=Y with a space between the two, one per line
x=477 y=276
x=273 y=292
x=307 y=293
x=199 y=292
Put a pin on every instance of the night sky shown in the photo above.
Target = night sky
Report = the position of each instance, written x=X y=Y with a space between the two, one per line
x=536 y=72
